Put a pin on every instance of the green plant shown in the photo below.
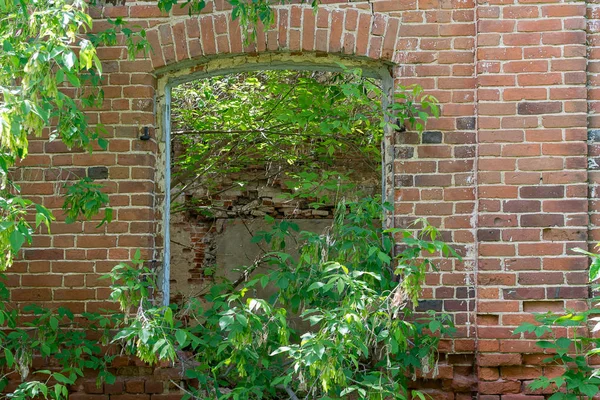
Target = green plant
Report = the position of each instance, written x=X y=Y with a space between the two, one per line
x=572 y=352
x=351 y=297
x=84 y=198
x=15 y=228
x=357 y=332
x=314 y=131
x=146 y=328
x=579 y=380
x=413 y=107
x=71 y=344
x=295 y=123
x=49 y=75
x=238 y=341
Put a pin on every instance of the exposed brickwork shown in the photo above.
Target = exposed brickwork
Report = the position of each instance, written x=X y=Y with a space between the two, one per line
x=532 y=175
x=509 y=172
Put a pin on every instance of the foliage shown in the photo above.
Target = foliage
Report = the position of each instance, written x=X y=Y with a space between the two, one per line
x=72 y=343
x=411 y=266
x=134 y=37
x=337 y=321
x=249 y=13
x=15 y=229
x=146 y=335
x=33 y=63
x=340 y=317
x=85 y=198
x=413 y=107
x=49 y=74
x=342 y=284
x=291 y=122
x=313 y=130
x=580 y=379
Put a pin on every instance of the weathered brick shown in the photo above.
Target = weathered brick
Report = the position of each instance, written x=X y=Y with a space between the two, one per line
x=533 y=108
x=154 y=386
x=522 y=293
x=114 y=388
x=570 y=292
x=465 y=123
x=488 y=235
x=430 y=137
x=521 y=206
x=539 y=192
x=499 y=359
x=542 y=220
x=97 y=172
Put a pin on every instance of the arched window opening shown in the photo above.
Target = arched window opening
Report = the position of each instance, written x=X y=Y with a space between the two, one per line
x=252 y=147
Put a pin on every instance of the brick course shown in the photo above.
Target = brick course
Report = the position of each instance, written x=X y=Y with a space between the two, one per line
x=509 y=172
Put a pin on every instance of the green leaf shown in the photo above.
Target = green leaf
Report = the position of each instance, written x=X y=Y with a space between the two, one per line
x=256 y=238
x=62 y=379
x=4 y=225
x=281 y=349
x=103 y=143
x=557 y=396
x=168 y=315
x=435 y=325
x=58 y=391
x=60 y=76
x=242 y=320
x=340 y=286
x=17 y=239
x=109 y=378
x=181 y=337
x=420 y=395
x=9 y=357
x=69 y=59
x=315 y=286
x=264 y=281
x=73 y=79
x=588 y=390
x=563 y=342
x=225 y=321
x=541 y=330
x=595 y=269
x=53 y=323
x=384 y=258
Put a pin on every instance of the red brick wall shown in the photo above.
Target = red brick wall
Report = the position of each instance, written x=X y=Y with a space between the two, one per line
x=506 y=179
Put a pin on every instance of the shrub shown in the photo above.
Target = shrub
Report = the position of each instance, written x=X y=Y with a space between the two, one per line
x=353 y=300
x=580 y=378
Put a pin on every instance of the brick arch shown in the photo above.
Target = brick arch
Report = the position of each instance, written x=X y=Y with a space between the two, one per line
x=297 y=28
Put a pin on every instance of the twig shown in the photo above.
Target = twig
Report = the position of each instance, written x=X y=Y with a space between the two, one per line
x=182 y=245
x=290 y=392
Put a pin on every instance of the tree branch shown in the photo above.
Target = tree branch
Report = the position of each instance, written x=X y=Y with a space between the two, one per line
x=291 y=393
